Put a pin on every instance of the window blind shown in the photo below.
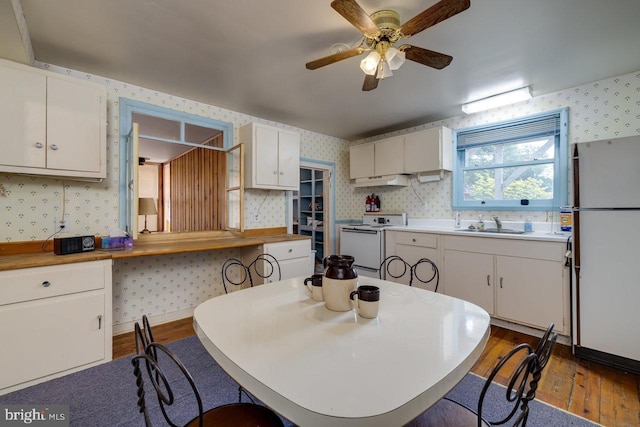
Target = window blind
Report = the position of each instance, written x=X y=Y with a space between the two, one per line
x=542 y=126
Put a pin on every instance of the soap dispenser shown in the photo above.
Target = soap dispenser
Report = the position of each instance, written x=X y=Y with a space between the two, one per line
x=480 y=223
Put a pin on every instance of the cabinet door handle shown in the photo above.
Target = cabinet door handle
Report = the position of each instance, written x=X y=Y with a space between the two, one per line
x=46 y=283
x=501 y=283
x=290 y=250
x=39 y=145
x=275 y=172
x=281 y=173
x=413 y=240
x=488 y=280
x=100 y=321
x=54 y=147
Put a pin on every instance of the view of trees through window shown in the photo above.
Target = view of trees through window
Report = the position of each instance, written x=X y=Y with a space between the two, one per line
x=510 y=171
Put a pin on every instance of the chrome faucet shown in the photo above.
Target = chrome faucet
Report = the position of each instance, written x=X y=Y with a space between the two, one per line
x=498 y=222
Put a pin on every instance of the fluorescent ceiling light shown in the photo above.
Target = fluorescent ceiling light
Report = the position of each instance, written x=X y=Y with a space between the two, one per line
x=506 y=98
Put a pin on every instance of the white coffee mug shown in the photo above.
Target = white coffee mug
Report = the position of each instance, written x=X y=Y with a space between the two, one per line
x=336 y=293
x=314 y=286
x=366 y=301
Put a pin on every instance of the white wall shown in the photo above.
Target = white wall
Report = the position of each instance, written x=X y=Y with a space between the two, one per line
x=608 y=108
x=175 y=284
x=157 y=286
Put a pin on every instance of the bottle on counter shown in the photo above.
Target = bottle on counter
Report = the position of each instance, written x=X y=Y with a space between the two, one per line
x=565 y=219
x=367 y=202
x=528 y=225
x=372 y=200
x=377 y=203
x=480 y=225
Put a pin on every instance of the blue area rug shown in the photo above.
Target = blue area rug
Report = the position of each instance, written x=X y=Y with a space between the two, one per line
x=106 y=395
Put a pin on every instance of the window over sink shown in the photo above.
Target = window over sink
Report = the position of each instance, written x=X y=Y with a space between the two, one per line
x=515 y=165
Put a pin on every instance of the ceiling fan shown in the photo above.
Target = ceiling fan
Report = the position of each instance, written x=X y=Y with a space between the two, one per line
x=382 y=30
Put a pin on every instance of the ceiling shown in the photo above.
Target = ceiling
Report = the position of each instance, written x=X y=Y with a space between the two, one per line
x=249 y=56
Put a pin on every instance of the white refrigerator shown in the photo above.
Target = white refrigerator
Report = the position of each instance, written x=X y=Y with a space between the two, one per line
x=606 y=239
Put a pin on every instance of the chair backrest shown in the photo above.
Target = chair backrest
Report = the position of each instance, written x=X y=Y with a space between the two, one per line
x=395 y=267
x=545 y=347
x=153 y=359
x=523 y=367
x=264 y=266
x=425 y=271
x=234 y=273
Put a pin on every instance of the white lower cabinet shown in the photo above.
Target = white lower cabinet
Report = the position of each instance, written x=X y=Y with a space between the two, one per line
x=530 y=291
x=518 y=281
x=411 y=247
x=54 y=320
x=469 y=276
x=294 y=257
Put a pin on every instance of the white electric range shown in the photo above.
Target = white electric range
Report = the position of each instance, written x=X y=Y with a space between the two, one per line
x=365 y=242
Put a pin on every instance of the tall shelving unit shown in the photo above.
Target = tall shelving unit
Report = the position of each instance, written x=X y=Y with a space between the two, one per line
x=308 y=208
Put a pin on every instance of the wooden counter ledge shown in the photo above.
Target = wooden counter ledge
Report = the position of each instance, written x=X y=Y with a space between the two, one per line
x=29 y=254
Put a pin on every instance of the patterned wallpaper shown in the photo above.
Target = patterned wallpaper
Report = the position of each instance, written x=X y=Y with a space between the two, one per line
x=608 y=108
x=172 y=285
x=31 y=203
x=158 y=286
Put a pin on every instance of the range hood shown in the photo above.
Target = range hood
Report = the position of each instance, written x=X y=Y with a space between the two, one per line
x=387 y=180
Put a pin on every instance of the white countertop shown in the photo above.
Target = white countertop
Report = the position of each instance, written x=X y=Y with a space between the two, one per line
x=543 y=231
x=324 y=368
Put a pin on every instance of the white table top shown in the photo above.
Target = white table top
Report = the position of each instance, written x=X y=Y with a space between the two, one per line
x=318 y=367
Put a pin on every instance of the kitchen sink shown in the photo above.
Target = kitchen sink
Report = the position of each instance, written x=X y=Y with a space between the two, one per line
x=493 y=230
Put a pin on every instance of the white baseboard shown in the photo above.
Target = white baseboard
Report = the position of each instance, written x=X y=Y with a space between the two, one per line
x=154 y=320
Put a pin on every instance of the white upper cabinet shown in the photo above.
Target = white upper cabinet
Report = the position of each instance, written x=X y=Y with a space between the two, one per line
x=428 y=151
x=388 y=156
x=425 y=151
x=361 y=161
x=272 y=157
x=51 y=124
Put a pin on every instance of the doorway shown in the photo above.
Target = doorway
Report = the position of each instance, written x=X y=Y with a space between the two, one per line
x=312 y=208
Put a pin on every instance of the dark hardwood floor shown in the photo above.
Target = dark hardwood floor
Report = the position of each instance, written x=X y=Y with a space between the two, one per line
x=598 y=393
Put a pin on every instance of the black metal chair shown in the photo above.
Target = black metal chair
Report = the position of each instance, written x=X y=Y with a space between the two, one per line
x=236 y=273
x=524 y=368
x=264 y=266
x=164 y=368
x=395 y=267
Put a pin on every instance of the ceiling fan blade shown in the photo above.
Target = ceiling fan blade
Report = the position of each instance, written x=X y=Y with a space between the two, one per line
x=426 y=57
x=437 y=13
x=352 y=12
x=370 y=82
x=345 y=54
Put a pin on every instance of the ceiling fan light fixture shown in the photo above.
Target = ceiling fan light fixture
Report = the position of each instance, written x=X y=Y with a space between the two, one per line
x=499 y=100
x=370 y=64
x=384 y=70
x=395 y=58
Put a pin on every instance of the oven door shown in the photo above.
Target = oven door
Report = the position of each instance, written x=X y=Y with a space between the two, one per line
x=365 y=246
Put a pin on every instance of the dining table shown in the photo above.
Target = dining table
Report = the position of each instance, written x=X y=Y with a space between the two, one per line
x=318 y=367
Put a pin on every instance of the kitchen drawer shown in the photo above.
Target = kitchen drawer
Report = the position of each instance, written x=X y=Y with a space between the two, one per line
x=44 y=282
x=416 y=239
x=549 y=251
x=289 y=250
